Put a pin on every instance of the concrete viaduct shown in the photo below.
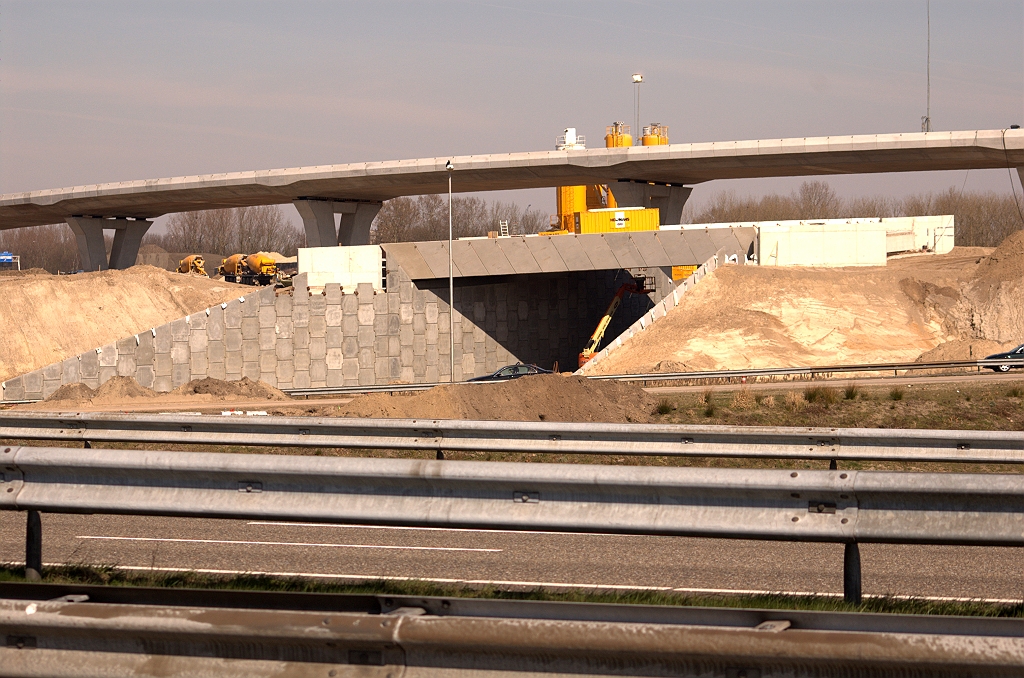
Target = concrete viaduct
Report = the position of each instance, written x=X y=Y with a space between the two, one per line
x=652 y=176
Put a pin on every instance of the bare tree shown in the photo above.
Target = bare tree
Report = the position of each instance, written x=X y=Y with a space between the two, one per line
x=264 y=229
x=240 y=230
x=52 y=247
x=425 y=217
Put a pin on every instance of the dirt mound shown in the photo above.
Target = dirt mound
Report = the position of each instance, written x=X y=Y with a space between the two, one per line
x=116 y=389
x=751 y=316
x=26 y=272
x=122 y=388
x=72 y=393
x=546 y=397
x=1006 y=263
x=243 y=388
x=56 y=317
x=963 y=349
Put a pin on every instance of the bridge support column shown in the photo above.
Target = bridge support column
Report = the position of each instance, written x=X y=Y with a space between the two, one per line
x=92 y=250
x=318 y=221
x=355 y=224
x=669 y=199
x=1020 y=173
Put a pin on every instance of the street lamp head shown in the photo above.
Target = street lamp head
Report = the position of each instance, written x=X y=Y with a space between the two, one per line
x=638 y=78
x=449 y=166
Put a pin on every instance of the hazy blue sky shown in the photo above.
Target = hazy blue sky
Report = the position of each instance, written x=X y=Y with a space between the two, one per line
x=106 y=91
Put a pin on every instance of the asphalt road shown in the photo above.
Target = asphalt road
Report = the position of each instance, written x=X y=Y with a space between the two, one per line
x=514 y=559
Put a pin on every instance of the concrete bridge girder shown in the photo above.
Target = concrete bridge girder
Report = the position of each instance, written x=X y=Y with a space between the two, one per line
x=128 y=235
x=667 y=198
x=318 y=221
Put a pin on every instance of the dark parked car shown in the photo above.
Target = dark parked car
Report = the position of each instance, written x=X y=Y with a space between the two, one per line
x=512 y=372
x=1014 y=358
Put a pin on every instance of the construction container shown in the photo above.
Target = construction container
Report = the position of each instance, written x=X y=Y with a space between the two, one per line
x=683 y=272
x=617 y=135
x=655 y=134
x=617 y=220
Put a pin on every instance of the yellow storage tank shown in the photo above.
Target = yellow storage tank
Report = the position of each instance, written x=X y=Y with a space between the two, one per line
x=617 y=135
x=655 y=134
x=617 y=220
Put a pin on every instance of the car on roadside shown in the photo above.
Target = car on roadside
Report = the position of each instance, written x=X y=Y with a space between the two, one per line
x=1014 y=358
x=512 y=372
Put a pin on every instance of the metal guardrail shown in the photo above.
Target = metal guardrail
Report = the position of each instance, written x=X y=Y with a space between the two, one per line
x=808 y=371
x=71 y=631
x=829 y=506
x=678 y=376
x=440 y=435
x=653 y=376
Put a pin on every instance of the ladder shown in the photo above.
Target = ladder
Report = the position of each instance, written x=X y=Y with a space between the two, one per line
x=503 y=228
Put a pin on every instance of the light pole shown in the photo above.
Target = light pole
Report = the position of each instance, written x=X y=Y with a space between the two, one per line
x=451 y=280
x=637 y=80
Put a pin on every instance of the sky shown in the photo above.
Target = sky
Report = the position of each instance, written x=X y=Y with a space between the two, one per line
x=95 y=92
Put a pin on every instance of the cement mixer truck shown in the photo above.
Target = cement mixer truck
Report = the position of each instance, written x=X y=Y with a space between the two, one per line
x=251 y=269
x=192 y=264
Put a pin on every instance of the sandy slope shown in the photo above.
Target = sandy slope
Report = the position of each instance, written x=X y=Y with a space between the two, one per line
x=49 y=318
x=749 y=316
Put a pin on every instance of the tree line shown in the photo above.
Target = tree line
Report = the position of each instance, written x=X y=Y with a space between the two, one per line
x=983 y=219
x=425 y=217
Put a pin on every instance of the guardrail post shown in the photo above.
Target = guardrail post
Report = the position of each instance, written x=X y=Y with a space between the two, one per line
x=851 y=574
x=33 y=547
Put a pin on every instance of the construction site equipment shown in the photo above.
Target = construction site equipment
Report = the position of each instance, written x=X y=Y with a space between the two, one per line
x=575 y=204
x=617 y=135
x=595 y=339
x=251 y=269
x=655 y=134
x=193 y=263
x=612 y=219
x=683 y=272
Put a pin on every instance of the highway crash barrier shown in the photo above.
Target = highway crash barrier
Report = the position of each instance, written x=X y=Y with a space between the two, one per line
x=848 y=507
x=440 y=435
x=74 y=635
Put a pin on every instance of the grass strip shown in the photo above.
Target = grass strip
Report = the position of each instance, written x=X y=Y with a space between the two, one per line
x=112 y=576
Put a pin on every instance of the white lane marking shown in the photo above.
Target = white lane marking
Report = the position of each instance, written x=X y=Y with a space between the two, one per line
x=289 y=543
x=428 y=529
x=553 y=585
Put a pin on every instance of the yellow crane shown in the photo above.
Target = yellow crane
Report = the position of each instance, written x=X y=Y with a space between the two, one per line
x=595 y=339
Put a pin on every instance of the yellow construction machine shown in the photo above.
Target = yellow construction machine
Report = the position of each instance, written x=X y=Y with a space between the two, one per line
x=638 y=286
x=251 y=269
x=593 y=208
x=193 y=264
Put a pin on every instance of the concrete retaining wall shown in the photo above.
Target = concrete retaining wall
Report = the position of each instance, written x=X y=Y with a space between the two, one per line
x=301 y=338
